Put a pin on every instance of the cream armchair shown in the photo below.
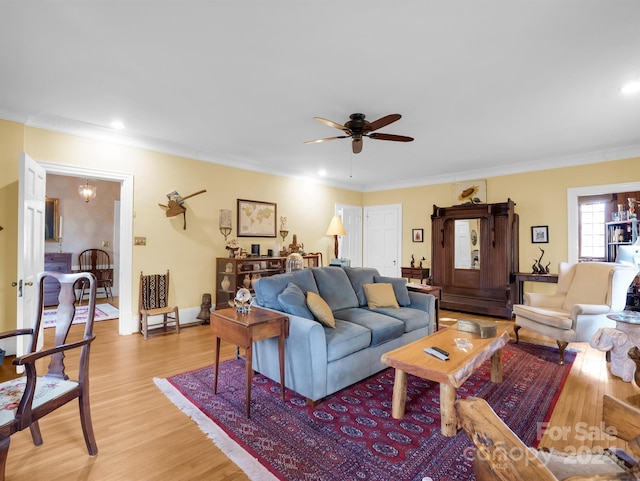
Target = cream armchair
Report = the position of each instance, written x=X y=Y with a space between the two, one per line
x=586 y=293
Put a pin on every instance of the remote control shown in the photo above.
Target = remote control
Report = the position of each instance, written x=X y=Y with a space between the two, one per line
x=441 y=351
x=438 y=353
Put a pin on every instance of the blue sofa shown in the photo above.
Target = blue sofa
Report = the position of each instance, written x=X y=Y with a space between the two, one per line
x=321 y=360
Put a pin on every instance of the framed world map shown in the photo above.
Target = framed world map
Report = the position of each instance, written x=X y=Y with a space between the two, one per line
x=256 y=219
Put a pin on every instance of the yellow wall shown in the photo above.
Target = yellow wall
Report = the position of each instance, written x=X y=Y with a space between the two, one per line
x=540 y=199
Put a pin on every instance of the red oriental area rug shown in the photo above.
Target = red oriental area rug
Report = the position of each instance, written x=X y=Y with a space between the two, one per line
x=351 y=435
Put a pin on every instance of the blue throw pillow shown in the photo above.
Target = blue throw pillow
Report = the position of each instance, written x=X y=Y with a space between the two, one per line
x=294 y=302
x=399 y=288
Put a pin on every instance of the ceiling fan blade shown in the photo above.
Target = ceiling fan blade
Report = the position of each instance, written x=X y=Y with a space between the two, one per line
x=386 y=120
x=396 y=138
x=356 y=145
x=325 y=139
x=331 y=124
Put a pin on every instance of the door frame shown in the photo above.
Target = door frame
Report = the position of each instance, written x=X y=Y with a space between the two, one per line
x=126 y=324
x=572 y=209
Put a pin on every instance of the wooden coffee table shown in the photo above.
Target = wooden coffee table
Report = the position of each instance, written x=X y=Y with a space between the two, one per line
x=451 y=374
x=242 y=330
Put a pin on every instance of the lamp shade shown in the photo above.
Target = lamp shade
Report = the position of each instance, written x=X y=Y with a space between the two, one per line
x=336 y=227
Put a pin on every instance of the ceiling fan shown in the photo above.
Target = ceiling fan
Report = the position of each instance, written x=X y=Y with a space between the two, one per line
x=358 y=127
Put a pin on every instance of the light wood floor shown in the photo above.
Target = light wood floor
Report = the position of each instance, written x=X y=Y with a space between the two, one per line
x=141 y=435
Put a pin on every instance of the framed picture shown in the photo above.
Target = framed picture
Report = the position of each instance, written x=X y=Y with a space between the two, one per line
x=540 y=234
x=417 y=235
x=470 y=192
x=256 y=218
x=51 y=220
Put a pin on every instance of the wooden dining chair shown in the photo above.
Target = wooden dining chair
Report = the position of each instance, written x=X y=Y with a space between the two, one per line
x=27 y=399
x=154 y=301
x=98 y=262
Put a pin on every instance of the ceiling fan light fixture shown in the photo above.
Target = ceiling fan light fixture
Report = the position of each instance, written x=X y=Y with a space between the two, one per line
x=87 y=192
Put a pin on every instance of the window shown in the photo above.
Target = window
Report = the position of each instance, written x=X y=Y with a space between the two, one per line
x=591 y=229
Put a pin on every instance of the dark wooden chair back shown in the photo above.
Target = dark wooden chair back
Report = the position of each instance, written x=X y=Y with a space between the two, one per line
x=98 y=263
x=38 y=395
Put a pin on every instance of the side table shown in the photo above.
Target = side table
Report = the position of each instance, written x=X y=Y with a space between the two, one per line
x=242 y=330
x=421 y=273
x=521 y=277
x=617 y=343
x=436 y=291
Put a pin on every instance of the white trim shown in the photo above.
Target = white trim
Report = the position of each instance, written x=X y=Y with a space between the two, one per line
x=127 y=324
x=572 y=210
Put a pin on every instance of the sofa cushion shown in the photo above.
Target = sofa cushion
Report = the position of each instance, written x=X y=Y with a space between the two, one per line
x=320 y=309
x=345 y=339
x=358 y=276
x=268 y=288
x=589 y=285
x=399 y=287
x=293 y=301
x=383 y=328
x=334 y=287
x=380 y=295
x=413 y=318
x=549 y=316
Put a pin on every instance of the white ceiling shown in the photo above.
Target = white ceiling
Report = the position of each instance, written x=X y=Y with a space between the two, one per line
x=485 y=87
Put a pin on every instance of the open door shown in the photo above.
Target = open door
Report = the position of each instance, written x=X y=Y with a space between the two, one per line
x=31 y=196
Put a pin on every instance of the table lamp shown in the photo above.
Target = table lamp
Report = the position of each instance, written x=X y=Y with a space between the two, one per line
x=335 y=229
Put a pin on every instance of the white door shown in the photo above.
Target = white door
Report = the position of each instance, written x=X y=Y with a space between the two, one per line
x=31 y=197
x=351 y=243
x=383 y=238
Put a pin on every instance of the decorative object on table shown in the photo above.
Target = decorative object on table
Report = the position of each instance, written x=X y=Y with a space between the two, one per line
x=176 y=205
x=243 y=300
x=357 y=128
x=295 y=262
x=470 y=192
x=413 y=261
x=335 y=229
x=540 y=234
x=255 y=250
x=205 y=309
x=256 y=218
x=294 y=246
x=87 y=192
x=224 y=222
x=421 y=261
x=232 y=246
x=537 y=266
x=482 y=328
x=417 y=235
x=632 y=207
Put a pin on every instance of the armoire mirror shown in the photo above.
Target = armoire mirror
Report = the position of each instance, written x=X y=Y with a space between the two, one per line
x=467 y=244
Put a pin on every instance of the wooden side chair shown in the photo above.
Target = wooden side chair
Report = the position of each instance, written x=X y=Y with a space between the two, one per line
x=501 y=455
x=98 y=263
x=24 y=400
x=154 y=301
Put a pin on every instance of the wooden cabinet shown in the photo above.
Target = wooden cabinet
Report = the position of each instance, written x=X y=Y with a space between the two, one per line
x=476 y=268
x=55 y=262
x=619 y=233
x=232 y=274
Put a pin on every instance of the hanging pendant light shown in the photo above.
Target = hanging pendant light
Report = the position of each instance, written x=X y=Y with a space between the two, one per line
x=87 y=192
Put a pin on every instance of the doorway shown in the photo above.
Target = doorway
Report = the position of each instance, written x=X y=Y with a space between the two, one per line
x=126 y=323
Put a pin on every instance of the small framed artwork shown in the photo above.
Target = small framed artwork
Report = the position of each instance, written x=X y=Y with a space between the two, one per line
x=540 y=234
x=417 y=235
x=256 y=218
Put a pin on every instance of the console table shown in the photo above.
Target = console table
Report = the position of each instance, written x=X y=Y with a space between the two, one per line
x=421 y=273
x=618 y=342
x=521 y=277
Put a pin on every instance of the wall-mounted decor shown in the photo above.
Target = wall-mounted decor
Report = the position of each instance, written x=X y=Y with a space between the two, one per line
x=51 y=220
x=417 y=235
x=176 y=205
x=256 y=218
x=470 y=192
x=540 y=234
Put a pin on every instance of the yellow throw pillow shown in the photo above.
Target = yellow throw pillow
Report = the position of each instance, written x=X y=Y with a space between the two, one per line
x=380 y=295
x=320 y=309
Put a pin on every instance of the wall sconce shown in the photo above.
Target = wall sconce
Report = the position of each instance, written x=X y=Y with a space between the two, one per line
x=284 y=230
x=335 y=229
x=224 y=222
x=87 y=192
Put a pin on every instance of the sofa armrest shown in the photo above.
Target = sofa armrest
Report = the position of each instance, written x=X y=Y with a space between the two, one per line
x=536 y=299
x=589 y=310
x=424 y=302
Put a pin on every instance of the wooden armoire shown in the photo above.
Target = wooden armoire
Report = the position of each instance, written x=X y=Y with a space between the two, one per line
x=474 y=256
